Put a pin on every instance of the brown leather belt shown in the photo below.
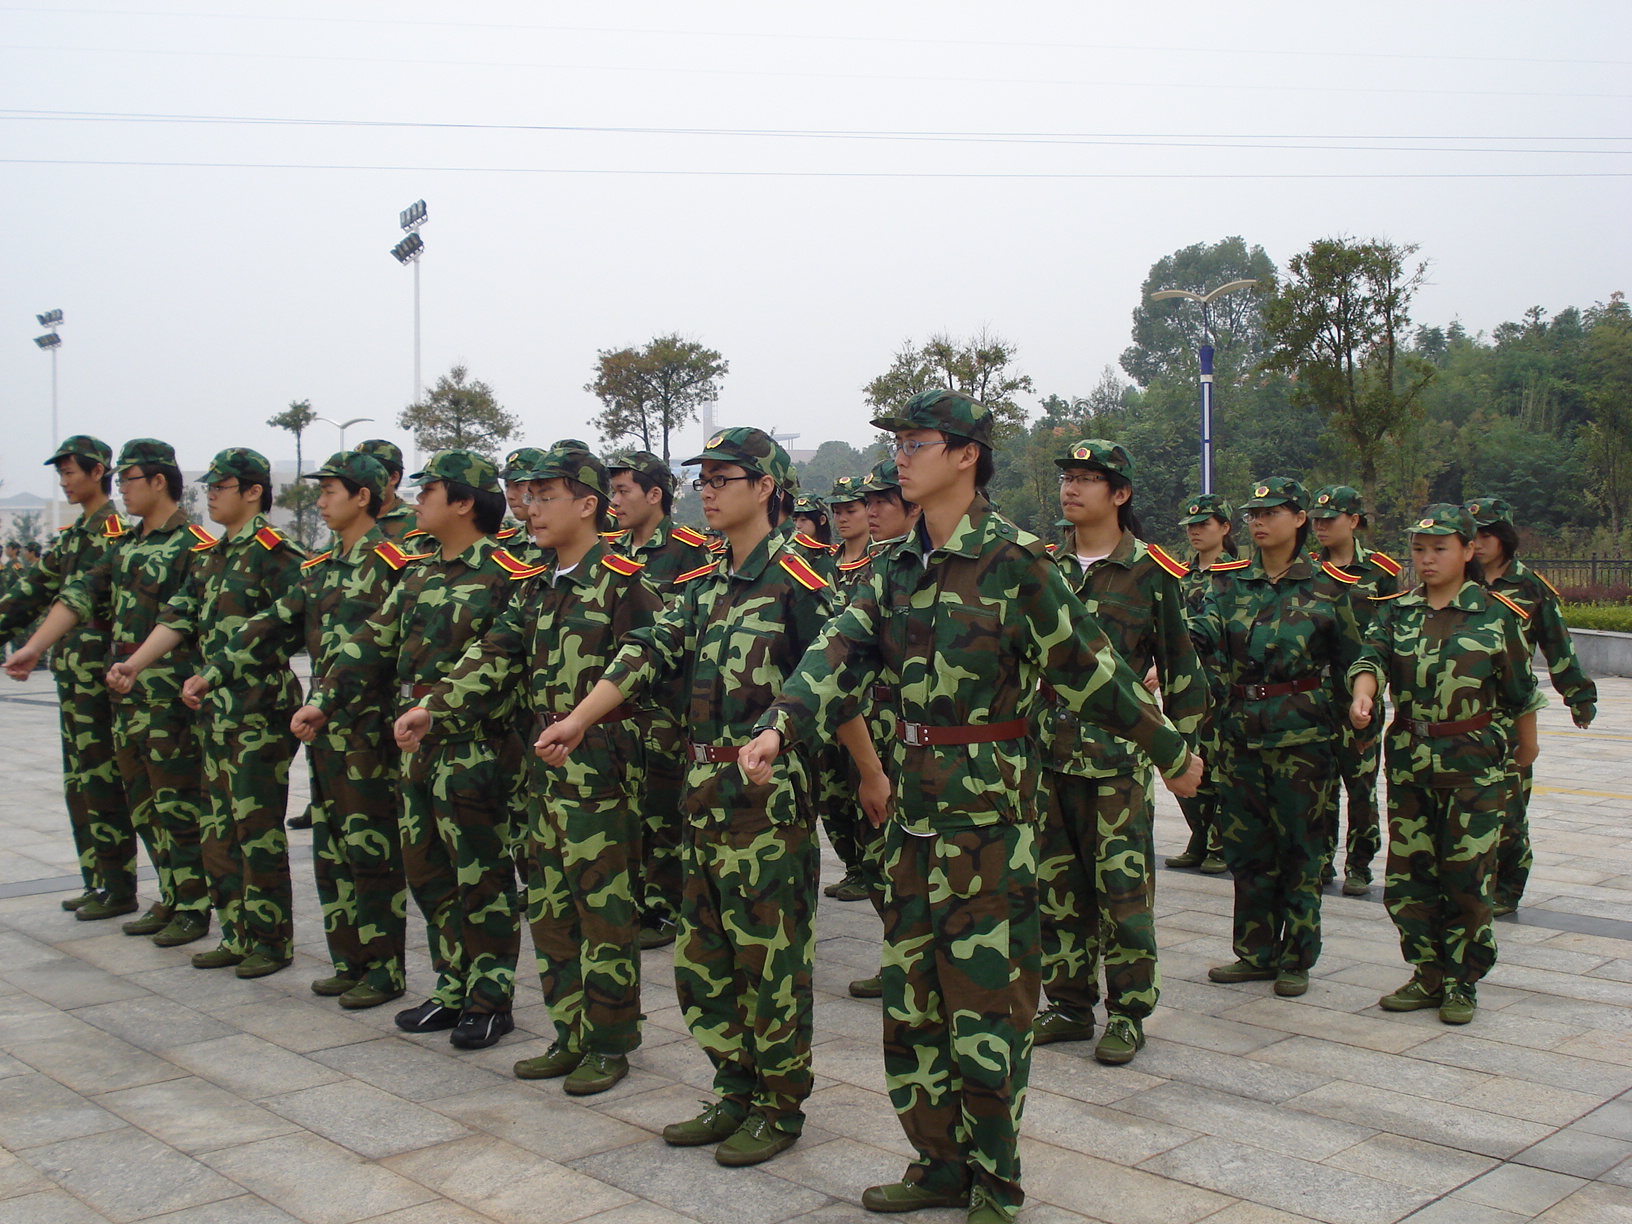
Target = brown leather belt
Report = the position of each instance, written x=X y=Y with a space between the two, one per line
x=618 y=713
x=882 y=692
x=413 y=692
x=99 y=626
x=710 y=754
x=919 y=735
x=1434 y=730
x=1257 y=692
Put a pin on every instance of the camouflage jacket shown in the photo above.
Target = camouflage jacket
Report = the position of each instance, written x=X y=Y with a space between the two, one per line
x=1257 y=632
x=421 y=629
x=1545 y=630
x=734 y=635
x=673 y=550
x=232 y=579
x=78 y=548
x=400 y=521
x=819 y=556
x=338 y=590
x=852 y=576
x=554 y=641
x=135 y=579
x=1197 y=584
x=1375 y=573
x=1135 y=595
x=1464 y=660
x=969 y=629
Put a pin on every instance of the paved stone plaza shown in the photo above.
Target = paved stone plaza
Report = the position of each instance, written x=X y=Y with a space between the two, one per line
x=133 y=1087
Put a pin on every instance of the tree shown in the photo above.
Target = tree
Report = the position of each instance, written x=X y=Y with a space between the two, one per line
x=299 y=496
x=1606 y=440
x=1339 y=322
x=831 y=460
x=980 y=367
x=1166 y=334
x=459 y=414
x=27 y=528
x=650 y=392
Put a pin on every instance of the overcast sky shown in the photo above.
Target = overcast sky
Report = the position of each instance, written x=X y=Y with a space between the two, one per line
x=210 y=190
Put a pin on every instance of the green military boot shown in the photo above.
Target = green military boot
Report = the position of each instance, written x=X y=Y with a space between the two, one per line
x=1190 y=858
x=852 y=889
x=1356 y=885
x=332 y=987
x=832 y=890
x=1124 y=1037
x=150 y=923
x=1057 y=1024
x=105 y=906
x=657 y=933
x=1459 y=1004
x=1498 y=909
x=78 y=899
x=551 y=1064
x=909 y=1196
x=754 y=1142
x=1241 y=971
x=596 y=1073
x=982 y=1210
x=1214 y=864
x=256 y=965
x=218 y=957
x=1415 y=995
x=183 y=929
x=868 y=988
x=1290 y=983
x=716 y=1123
x=363 y=995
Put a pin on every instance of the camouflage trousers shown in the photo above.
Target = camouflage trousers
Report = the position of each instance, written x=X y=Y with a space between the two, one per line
x=1201 y=809
x=661 y=822
x=1096 y=883
x=1272 y=800
x=743 y=960
x=583 y=860
x=1513 y=856
x=98 y=813
x=456 y=854
x=357 y=851
x=837 y=806
x=157 y=748
x=962 y=971
x=245 y=847
x=1441 y=852
x=1358 y=759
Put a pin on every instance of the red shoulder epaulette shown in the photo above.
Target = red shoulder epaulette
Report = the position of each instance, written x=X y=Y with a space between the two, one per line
x=716 y=545
x=317 y=560
x=1523 y=615
x=622 y=565
x=864 y=559
x=269 y=537
x=1051 y=547
x=1386 y=563
x=417 y=531
x=801 y=571
x=509 y=533
x=114 y=527
x=1165 y=559
x=809 y=541
x=612 y=535
x=515 y=567
x=1237 y=563
x=204 y=538
x=1333 y=572
x=394 y=556
x=698 y=572
x=689 y=535
x=1547 y=584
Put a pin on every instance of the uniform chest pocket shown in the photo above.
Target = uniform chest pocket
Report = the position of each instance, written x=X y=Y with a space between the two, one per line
x=967 y=629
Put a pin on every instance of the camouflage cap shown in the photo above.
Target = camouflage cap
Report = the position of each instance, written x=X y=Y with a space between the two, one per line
x=1099 y=454
x=1488 y=510
x=1443 y=518
x=847 y=489
x=569 y=463
x=147 y=452
x=360 y=469
x=1277 y=491
x=86 y=447
x=753 y=450
x=947 y=411
x=240 y=463
x=461 y=467
x=388 y=453
x=1204 y=506
x=644 y=462
x=522 y=460
x=810 y=504
x=1334 y=500
x=884 y=477
x=569 y=444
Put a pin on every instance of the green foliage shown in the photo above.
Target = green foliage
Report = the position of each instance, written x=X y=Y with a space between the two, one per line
x=980 y=367
x=302 y=500
x=27 y=528
x=832 y=460
x=459 y=414
x=1167 y=334
x=648 y=393
x=1615 y=618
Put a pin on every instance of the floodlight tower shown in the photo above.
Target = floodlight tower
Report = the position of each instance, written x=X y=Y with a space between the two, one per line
x=408 y=251
x=342 y=426
x=51 y=341
x=1206 y=355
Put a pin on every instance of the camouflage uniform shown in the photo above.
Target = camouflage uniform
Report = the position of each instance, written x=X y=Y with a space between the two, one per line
x=968 y=635
x=1450 y=671
x=455 y=788
x=1201 y=809
x=1358 y=752
x=245 y=730
x=401 y=520
x=584 y=836
x=743 y=960
x=356 y=844
x=1278 y=763
x=98 y=812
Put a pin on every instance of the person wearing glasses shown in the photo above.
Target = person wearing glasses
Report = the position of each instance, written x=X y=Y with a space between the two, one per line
x=744 y=958
x=1279 y=628
x=968 y=613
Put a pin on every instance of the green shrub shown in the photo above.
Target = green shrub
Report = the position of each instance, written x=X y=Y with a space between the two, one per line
x=1615 y=617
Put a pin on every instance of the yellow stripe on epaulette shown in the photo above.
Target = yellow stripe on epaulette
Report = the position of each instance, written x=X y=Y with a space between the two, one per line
x=204 y=538
x=114 y=527
x=516 y=568
x=801 y=571
x=1238 y=563
x=1523 y=615
x=1386 y=598
x=394 y=556
x=1547 y=584
x=317 y=560
x=269 y=537
x=809 y=541
x=865 y=559
x=1386 y=563
x=612 y=535
x=509 y=533
x=1052 y=547
x=622 y=565
x=689 y=535
x=1165 y=559
x=698 y=572
x=1331 y=571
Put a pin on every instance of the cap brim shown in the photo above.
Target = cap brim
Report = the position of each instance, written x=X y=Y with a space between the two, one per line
x=1190 y=519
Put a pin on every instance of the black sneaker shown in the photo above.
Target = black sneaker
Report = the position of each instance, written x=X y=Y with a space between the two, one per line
x=429 y=1017
x=478 y=1030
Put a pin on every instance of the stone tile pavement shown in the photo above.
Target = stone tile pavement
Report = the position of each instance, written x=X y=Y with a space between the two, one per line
x=133 y=1087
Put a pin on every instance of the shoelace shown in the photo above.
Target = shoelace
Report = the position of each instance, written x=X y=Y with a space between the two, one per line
x=1121 y=1028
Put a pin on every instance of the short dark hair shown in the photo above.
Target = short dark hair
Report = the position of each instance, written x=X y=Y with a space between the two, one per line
x=1505 y=535
x=171 y=474
x=89 y=466
x=265 y=487
x=579 y=489
x=985 y=464
x=375 y=503
x=1126 y=519
x=893 y=493
x=489 y=507
x=647 y=484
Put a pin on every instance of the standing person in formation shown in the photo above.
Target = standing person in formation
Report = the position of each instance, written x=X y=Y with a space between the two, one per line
x=1208 y=525
x=98 y=813
x=396 y=518
x=246 y=751
x=810 y=519
x=1279 y=627
x=1458 y=667
x=968 y=613
x=356 y=847
x=455 y=794
x=154 y=737
x=583 y=835
x=743 y=961
x=1337 y=514
x=1497 y=550
x=890 y=516
x=642 y=500
x=514 y=533
x=1097 y=852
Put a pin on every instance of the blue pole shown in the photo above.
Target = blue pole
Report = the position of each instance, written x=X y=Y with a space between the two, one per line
x=1206 y=418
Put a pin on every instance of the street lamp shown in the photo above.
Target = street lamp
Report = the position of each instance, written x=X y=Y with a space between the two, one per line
x=1206 y=355
x=51 y=319
x=408 y=251
x=342 y=426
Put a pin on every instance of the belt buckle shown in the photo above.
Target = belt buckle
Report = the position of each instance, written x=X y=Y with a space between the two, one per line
x=1254 y=692
x=407 y=692
x=916 y=734
x=1419 y=727
x=698 y=753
